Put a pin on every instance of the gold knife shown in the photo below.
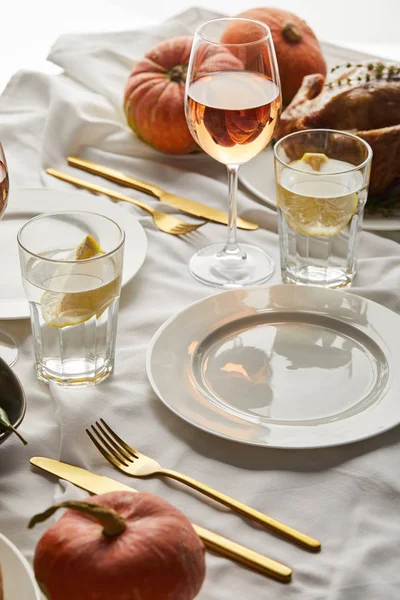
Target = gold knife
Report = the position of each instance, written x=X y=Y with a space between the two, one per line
x=184 y=204
x=99 y=484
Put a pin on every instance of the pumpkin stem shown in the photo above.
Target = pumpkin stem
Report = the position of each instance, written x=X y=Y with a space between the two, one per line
x=291 y=32
x=178 y=73
x=113 y=523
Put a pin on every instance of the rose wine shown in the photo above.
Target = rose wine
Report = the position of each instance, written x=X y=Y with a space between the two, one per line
x=3 y=188
x=233 y=114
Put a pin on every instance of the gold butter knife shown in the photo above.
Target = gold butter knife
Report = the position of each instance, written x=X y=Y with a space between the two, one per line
x=99 y=484
x=184 y=204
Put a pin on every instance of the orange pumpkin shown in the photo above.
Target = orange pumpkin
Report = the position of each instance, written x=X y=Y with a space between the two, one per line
x=154 y=97
x=154 y=100
x=119 y=545
x=297 y=49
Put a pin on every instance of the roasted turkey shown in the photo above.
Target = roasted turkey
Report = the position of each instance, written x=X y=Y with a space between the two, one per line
x=363 y=99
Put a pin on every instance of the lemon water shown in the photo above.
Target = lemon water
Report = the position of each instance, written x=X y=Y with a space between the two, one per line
x=74 y=309
x=320 y=207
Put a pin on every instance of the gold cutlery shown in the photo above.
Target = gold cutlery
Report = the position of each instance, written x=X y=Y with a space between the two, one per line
x=98 y=484
x=164 y=222
x=184 y=204
x=134 y=463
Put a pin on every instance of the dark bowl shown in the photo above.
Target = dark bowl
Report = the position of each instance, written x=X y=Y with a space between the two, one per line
x=12 y=398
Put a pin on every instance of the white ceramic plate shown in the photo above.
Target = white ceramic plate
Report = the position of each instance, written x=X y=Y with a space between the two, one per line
x=25 y=204
x=259 y=178
x=18 y=579
x=281 y=366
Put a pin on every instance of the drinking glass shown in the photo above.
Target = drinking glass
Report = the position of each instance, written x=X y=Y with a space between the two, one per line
x=8 y=346
x=322 y=179
x=71 y=266
x=232 y=104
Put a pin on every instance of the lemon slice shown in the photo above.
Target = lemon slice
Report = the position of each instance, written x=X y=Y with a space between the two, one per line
x=61 y=309
x=88 y=248
x=315 y=160
x=318 y=216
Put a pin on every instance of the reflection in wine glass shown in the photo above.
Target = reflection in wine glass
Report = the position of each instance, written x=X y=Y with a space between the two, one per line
x=8 y=347
x=233 y=103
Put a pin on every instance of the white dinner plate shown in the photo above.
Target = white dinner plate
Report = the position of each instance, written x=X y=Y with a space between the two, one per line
x=281 y=366
x=28 y=203
x=18 y=579
x=259 y=178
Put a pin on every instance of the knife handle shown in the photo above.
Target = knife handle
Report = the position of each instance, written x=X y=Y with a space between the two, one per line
x=99 y=189
x=97 y=484
x=115 y=176
x=244 y=555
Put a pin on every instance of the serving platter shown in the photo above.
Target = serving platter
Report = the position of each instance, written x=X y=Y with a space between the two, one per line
x=281 y=366
x=258 y=174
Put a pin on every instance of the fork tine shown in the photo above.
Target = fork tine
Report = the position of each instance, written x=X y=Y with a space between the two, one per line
x=118 y=457
x=128 y=448
x=114 y=444
x=183 y=228
x=197 y=225
x=102 y=450
x=180 y=229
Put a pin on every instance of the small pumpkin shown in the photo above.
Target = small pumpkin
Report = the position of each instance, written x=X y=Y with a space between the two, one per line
x=154 y=98
x=119 y=546
x=297 y=49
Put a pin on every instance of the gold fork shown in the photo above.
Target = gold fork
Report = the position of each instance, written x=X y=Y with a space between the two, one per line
x=134 y=463
x=164 y=222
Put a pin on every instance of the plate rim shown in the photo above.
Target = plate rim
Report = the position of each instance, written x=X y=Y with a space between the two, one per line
x=258 y=444
x=102 y=202
x=25 y=563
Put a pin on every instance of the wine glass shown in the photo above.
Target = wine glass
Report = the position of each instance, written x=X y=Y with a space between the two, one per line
x=8 y=346
x=232 y=104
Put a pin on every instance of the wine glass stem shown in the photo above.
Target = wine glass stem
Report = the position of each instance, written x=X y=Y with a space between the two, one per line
x=232 y=246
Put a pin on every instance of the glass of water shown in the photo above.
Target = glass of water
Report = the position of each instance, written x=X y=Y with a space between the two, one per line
x=71 y=266
x=322 y=179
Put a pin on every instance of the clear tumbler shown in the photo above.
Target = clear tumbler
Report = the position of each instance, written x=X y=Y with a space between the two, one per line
x=322 y=181
x=71 y=266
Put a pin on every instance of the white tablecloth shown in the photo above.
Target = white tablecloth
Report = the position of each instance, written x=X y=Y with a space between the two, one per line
x=348 y=497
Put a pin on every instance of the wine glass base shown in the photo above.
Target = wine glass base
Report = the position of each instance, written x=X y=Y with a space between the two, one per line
x=215 y=266
x=8 y=348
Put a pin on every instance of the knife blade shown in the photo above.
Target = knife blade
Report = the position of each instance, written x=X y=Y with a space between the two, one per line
x=99 y=484
x=184 y=204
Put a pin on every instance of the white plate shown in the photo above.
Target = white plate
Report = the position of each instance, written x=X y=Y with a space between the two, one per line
x=25 y=204
x=258 y=177
x=18 y=579
x=281 y=366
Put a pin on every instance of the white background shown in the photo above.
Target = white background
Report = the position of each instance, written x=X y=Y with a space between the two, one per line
x=28 y=27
